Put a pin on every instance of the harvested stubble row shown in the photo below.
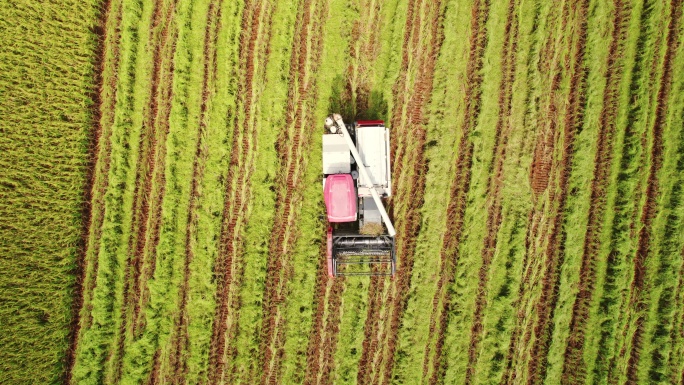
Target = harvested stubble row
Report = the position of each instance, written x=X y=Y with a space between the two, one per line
x=537 y=164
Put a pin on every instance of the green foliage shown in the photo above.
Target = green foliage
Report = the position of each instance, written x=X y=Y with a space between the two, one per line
x=47 y=63
x=47 y=84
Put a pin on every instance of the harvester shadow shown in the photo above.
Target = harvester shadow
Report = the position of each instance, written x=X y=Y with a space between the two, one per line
x=363 y=104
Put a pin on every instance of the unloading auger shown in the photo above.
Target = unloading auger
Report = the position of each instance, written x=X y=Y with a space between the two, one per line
x=354 y=187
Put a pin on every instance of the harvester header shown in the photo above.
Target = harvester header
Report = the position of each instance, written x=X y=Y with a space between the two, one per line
x=356 y=178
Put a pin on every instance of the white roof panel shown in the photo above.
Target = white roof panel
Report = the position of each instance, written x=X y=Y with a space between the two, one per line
x=373 y=146
x=336 y=155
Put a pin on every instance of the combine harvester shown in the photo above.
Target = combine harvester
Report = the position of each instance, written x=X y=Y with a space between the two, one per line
x=353 y=187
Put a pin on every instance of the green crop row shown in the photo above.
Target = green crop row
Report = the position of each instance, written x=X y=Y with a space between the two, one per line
x=629 y=177
x=92 y=364
x=151 y=351
x=220 y=104
x=501 y=290
x=305 y=257
x=380 y=75
x=259 y=217
x=578 y=203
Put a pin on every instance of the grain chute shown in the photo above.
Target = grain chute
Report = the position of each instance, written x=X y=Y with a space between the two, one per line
x=356 y=170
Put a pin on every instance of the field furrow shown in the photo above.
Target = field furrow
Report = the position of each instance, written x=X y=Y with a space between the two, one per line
x=292 y=146
x=644 y=248
x=162 y=219
x=434 y=363
x=93 y=209
x=554 y=253
x=495 y=183
x=574 y=369
x=178 y=369
x=256 y=30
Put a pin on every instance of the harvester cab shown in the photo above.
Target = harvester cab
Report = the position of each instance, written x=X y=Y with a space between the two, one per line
x=356 y=176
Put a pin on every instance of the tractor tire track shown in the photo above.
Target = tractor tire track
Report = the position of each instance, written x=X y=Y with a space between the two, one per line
x=292 y=145
x=434 y=365
x=495 y=182
x=363 y=52
x=637 y=302
x=180 y=336
x=253 y=51
x=104 y=99
x=332 y=328
x=555 y=249
x=574 y=368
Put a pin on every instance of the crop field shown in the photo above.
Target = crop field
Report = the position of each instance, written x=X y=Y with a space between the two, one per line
x=161 y=200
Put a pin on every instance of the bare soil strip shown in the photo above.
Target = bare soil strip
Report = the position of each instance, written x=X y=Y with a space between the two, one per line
x=554 y=252
x=574 y=369
x=254 y=41
x=434 y=365
x=180 y=337
x=292 y=145
x=104 y=99
x=154 y=374
x=637 y=302
x=495 y=182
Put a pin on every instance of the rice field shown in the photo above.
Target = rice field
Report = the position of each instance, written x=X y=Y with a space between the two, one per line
x=161 y=199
